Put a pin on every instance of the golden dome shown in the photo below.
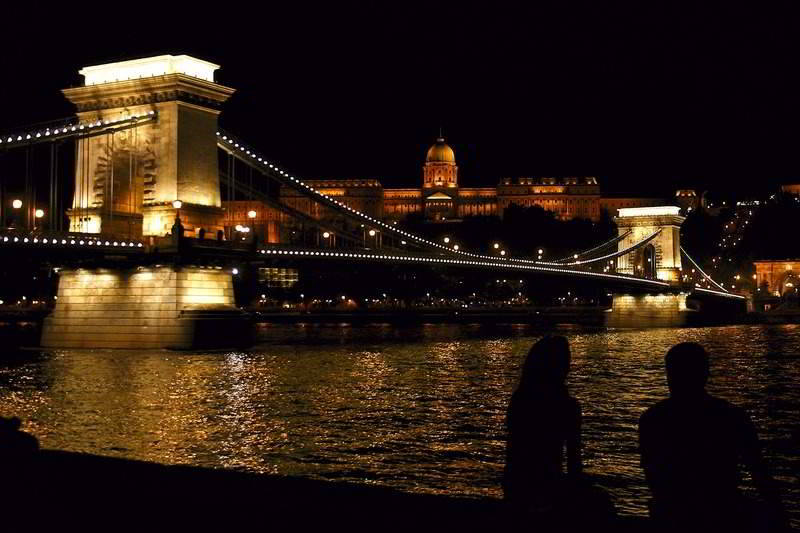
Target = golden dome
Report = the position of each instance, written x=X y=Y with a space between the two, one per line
x=440 y=153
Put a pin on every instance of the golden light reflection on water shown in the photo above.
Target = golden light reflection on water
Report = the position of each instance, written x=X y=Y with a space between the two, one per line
x=420 y=409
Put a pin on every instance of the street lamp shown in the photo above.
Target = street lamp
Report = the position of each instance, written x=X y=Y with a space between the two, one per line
x=251 y=214
x=455 y=247
x=326 y=235
x=177 y=205
x=16 y=204
x=446 y=240
x=372 y=233
x=502 y=252
x=496 y=245
x=39 y=213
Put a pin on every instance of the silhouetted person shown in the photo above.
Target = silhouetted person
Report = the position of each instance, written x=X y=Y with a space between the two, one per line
x=15 y=445
x=692 y=444
x=220 y=235
x=177 y=228
x=202 y=233
x=543 y=420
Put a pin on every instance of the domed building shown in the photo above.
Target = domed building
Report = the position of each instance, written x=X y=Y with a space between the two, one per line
x=440 y=199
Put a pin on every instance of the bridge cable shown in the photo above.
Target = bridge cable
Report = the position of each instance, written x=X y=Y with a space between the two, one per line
x=701 y=270
x=228 y=144
x=598 y=247
x=619 y=253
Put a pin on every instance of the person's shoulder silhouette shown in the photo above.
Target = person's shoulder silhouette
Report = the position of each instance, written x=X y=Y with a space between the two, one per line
x=15 y=444
x=692 y=444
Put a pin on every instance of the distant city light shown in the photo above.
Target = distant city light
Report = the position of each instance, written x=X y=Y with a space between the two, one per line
x=16 y=204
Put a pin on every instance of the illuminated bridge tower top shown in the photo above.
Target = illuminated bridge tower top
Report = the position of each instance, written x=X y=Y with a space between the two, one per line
x=126 y=182
x=660 y=257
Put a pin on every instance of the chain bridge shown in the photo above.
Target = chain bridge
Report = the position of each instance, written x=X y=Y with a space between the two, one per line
x=165 y=205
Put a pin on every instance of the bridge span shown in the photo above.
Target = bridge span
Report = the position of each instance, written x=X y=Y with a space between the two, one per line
x=155 y=233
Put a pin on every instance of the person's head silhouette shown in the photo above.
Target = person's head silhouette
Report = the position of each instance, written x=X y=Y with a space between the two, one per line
x=687 y=369
x=547 y=364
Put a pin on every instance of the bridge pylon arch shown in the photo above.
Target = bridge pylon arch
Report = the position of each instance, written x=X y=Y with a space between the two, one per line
x=663 y=260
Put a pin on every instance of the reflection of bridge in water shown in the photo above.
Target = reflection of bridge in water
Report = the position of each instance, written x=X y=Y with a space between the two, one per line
x=163 y=204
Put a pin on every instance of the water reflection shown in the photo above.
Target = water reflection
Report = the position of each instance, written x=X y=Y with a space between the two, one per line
x=416 y=408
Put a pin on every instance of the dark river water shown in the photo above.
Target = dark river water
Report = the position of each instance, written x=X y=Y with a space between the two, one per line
x=419 y=409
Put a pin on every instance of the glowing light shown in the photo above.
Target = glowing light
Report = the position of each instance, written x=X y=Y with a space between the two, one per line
x=149 y=67
x=177 y=204
x=326 y=235
x=16 y=204
x=372 y=233
x=251 y=214
x=446 y=240
x=39 y=213
x=502 y=252
x=648 y=211
x=234 y=271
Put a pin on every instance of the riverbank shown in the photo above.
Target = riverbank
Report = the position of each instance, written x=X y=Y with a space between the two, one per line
x=57 y=487
x=420 y=409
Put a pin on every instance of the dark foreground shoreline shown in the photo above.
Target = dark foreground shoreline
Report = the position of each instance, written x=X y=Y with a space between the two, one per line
x=55 y=488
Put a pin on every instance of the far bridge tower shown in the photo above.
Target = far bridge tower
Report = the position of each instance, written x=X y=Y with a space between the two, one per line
x=661 y=257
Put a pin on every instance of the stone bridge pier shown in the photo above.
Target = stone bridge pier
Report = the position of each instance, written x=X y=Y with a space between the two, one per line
x=648 y=311
x=146 y=307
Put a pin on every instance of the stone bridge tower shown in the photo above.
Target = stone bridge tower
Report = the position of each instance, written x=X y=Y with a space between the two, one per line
x=126 y=182
x=661 y=257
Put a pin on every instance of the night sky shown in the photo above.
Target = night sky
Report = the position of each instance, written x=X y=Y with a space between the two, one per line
x=648 y=98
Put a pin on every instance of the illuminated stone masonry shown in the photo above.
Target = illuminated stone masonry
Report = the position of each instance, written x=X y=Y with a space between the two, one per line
x=661 y=257
x=778 y=277
x=441 y=199
x=143 y=307
x=126 y=181
x=648 y=311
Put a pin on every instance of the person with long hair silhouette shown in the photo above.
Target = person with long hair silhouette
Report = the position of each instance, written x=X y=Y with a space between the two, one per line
x=691 y=447
x=543 y=420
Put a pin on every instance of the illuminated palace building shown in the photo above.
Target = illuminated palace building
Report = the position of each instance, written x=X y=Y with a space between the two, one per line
x=440 y=199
